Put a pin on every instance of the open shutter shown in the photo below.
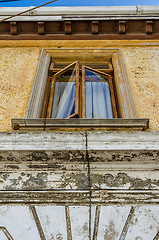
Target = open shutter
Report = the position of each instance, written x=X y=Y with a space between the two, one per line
x=64 y=93
x=98 y=99
x=36 y=100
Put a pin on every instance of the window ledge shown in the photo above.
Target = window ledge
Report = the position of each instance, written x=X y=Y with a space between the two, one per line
x=56 y=124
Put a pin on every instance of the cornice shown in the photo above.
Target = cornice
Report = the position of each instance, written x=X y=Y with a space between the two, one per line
x=100 y=140
x=77 y=23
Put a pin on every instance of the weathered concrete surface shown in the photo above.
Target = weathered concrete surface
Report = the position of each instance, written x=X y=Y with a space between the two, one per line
x=42 y=141
x=41 y=161
x=101 y=140
x=42 y=170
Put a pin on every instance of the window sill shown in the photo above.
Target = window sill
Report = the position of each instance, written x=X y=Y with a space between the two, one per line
x=67 y=124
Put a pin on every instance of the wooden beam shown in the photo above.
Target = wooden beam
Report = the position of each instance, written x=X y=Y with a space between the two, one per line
x=97 y=71
x=115 y=114
x=51 y=97
x=77 y=90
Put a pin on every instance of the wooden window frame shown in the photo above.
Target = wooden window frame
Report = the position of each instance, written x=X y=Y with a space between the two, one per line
x=52 y=91
x=80 y=98
x=111 y=87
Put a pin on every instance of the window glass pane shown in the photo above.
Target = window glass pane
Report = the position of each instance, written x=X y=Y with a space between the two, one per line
x=64 y=95
x=97 y=93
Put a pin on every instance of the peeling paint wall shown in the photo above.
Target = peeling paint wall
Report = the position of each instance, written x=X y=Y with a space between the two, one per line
x=41 y=170
x=60 y=160
x=45 y=191
x=18 y=62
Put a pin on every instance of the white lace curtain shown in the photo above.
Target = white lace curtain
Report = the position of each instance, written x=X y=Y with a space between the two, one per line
x=97 y=93
x=64 y=97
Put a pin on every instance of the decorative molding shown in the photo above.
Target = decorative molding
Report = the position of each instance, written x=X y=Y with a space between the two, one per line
x=96 y=222
x=149 y=27
x=95 y=27
x=68 y=27
x=157 y=236
x=68 y=222
x=7 y=234
x=87 y=10
x=127 y=224
x=76 y=140
x=41 y=28
x=81 y=28
x=49 y=18
x=80 y=197
x=111 y=44
x=122 y=27
x=37 y=221
x=13 y=28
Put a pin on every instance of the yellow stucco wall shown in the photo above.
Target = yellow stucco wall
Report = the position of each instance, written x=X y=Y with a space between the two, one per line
x=142 y=66
x=17 y=70
x=19 y=59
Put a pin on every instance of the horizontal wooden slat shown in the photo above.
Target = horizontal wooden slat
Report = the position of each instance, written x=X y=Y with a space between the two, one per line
x=106 y=68
x=93 y=65
x=108 y=71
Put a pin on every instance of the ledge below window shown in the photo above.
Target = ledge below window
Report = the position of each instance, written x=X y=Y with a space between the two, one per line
x=67 y=124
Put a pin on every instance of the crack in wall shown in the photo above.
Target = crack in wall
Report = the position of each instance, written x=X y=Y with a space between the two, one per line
x=90 y=186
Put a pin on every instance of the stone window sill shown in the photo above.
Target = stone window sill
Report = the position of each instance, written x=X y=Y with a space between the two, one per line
x=67 y=124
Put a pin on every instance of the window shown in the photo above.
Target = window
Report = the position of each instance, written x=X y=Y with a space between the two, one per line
x=80 y=91
x=67 y=95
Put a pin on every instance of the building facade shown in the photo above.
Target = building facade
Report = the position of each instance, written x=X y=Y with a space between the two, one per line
x=79 y=178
